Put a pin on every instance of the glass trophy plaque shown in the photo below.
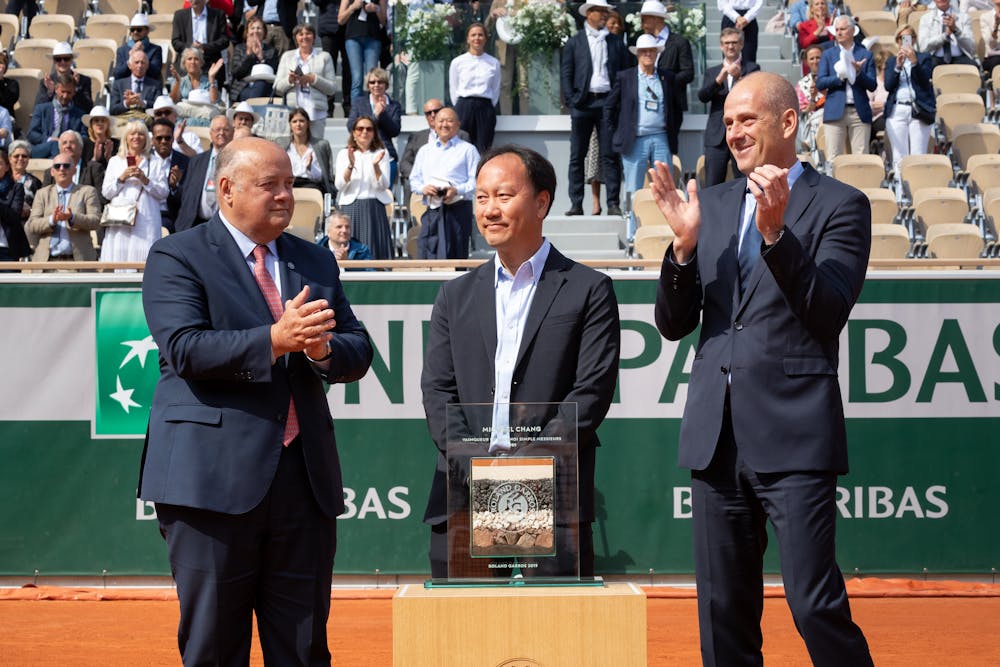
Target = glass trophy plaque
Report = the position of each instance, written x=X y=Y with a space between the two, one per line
x=513 y=501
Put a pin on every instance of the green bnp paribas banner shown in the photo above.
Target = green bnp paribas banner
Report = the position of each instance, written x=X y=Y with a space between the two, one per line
x=919 y=370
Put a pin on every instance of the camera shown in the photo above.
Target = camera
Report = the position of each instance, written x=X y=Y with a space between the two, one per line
x=442 y=192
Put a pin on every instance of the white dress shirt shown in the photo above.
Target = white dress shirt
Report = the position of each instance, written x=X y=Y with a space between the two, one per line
x=199 y=26
x=596 y=39
x=454 y=162
x=475 y=76
x=730 y=7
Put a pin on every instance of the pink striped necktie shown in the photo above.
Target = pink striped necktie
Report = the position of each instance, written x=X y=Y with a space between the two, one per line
x=270 y=290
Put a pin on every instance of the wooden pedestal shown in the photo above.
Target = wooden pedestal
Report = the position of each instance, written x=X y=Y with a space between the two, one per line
x=522 y=627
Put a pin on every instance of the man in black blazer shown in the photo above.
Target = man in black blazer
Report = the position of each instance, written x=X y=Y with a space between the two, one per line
x=719 y=79
x=771 y=276
x=43 y=129
x=240 y=455
x=590 y=61
x=137 y=92
x=198 y=189
x=566 y=346
x=216 y=38
x=676 y=57
x=63 y=63
x=138 y=40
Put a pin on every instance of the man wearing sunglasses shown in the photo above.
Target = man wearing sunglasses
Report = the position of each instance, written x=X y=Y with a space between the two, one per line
x=138 y=40
x=62 y=64
x=63 y=215
x=176 y=164
x=185 y=141
x=420 y=139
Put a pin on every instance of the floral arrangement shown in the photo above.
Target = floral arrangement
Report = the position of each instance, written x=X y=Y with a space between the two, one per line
x=689 y=23
x=543 y=26
x=633 y=24
x=425 y=31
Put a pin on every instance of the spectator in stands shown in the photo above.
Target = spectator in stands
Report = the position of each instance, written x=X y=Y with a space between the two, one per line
x=63 y=215
x=203 y=28
x=908 y=82
x=591 y=59
x=947 y=35
x=811 y=99
x=10 y=89
x=246 y=55
x=50 y=119
x=742 y=15
x=185 y=141
x=311 y=157
x=616 y=25
x=814 y=29
x=387 y=113
x=133 y=94
x=13 y=240
x=243 y=116
x=420 y=139
x=198 y=199
x=138 y=40
x=132 y=176
x=20 y=154
x=511 y=69
x=310 y=72
x=719 y=80
x=904 y=8
x=340 y=241
x=846 y=73
x=62 y=64
x=968 y=6
x=474 y=81
x=28 y=7
x=877 y=97
x=194 y=78
x=174 y=163
x=363 y=23
x=362 y=180
x=445 y=173
x=331 y=34
x=676 y=57
x=638 y=112
x=98 y=144
x=989 y=24
x=279 y=18
x=592 y=163
x=70 y=142
x=6 y=128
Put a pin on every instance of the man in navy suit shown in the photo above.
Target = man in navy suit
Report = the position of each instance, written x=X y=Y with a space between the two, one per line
x=528 y=326
x=590 y=61
x=770 y=266
x=51 y=119
x=639 y=113
x=136 y=92
x=240 y=457
x=847 y=74
x=138 y=41
x=199 y=200
x=719 y=79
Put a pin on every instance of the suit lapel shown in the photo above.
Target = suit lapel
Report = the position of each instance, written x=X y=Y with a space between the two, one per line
x=291 y=278
x=549 y=284
x=485 y=299
x=230 y=259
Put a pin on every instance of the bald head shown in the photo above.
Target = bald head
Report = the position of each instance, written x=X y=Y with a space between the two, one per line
x=254 y=181
x=775 y=94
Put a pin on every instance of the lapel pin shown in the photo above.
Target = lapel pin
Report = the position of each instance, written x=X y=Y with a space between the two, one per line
x=291 y=265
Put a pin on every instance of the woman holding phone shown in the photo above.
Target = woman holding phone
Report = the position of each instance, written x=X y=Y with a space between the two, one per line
x=910 y=106
x=310 y=73
x=132 y=177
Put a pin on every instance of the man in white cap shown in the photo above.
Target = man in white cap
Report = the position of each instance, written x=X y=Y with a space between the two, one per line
x=676 y=57
x=185 y=141
x=742 y=15
x=243 y=116
x=639 y=112
x=138 y=40
x=62 y=63
x=131 y=95
x=591 y=59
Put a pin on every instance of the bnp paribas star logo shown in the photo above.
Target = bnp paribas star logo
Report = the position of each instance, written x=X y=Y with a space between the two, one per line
x=127 y=368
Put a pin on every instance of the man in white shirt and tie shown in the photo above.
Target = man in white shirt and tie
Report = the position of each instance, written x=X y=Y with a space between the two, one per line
x=847 y=73
x=133 y=94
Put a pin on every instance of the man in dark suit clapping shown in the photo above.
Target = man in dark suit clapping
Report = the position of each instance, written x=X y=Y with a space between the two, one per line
x=590 y=61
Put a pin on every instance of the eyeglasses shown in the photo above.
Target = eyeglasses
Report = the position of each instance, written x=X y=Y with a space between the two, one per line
x=431 y=112
x=19 y=156
x=649 y=91
x=376 y=83
x=62 y=59
x=162 y=112
x=61 y=165
x=364 y=128
x=163 y=137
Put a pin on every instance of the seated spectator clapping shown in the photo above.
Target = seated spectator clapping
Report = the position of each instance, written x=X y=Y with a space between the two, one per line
x=131 y=95
x=194 y=78
x=63 y=215
x=246 y=57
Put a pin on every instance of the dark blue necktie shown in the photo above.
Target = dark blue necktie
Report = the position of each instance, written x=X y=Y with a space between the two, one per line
x=749 y=249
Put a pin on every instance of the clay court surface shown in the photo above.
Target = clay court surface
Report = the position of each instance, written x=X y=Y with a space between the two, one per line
x=907 y=624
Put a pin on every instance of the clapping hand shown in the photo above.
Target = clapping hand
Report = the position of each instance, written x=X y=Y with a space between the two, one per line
x=684 y=217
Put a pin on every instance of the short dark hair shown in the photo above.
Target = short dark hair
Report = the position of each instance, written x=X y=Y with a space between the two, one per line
x=164 y=122
x=540 y=170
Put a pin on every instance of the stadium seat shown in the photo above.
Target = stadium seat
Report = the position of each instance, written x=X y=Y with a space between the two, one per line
x=161 y=23
x=29 y=80
x=973 y=139
x=954 y=109
x=204 y=135
x=411 y=240
x=39 y=167
x=95 y=53
x=939 y=206
x=59 y=27
x=954 y=241
x=859 y=6
x=34 y=54
x=74 y=8
x=107 y=26
x=646 y=211
x=949 y=79
x=168 y=7
x=652 y=241
x=97 y=81
x=876 y=23
x=417 y=208
x=917 y=172
x=10 y=28
x=308 y=213
x=126 y=7
x=884 y=206
x=984 y=173
x=889 y=242
x=168 y=55
x=861 y=171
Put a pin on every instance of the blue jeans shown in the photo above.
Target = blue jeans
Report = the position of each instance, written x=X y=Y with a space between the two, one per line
x=646 y=150
x=362 y=54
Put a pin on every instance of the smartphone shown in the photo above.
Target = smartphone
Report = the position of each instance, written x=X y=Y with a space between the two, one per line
x=908 y=41
x=130 y=160
x=298 y=70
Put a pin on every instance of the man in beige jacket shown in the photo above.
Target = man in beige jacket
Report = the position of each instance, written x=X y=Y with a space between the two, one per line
x=63 y=215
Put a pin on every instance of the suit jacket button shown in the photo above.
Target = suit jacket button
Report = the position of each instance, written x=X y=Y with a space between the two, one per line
x=725 y=371
x=739 y=326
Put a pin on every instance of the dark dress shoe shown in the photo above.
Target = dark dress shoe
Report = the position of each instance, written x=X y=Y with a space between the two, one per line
x=614 y=210
x=576 y=210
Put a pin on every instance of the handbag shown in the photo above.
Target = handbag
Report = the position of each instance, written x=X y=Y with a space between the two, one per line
x=120 y=212
x=920 y=113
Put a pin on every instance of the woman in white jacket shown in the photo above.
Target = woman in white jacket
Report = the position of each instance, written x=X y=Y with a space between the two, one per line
x=310 y=73
x=362 y=180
